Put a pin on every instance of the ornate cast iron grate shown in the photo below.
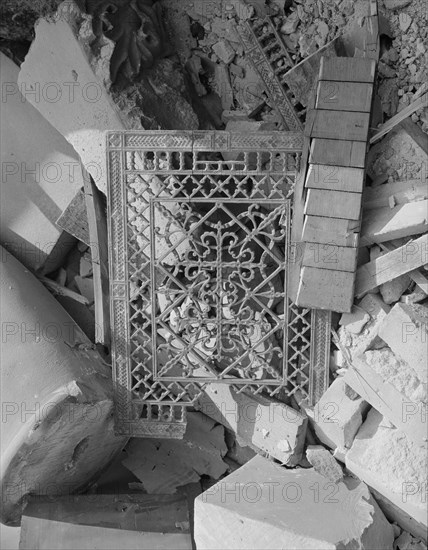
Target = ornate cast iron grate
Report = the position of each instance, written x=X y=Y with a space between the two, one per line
x=199 y=244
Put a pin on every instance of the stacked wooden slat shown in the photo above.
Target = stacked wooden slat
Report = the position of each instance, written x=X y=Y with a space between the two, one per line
x=338 y=131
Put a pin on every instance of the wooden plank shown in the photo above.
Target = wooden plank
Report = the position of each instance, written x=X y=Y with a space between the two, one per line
x=330 y=256
x=298 y=216
x=97 y=224
x=416 y=275
x=391 y=265
x=384 y=224
x=421 y=101
x=338 y=178
x=155 y=513
x=398 y=192
x=371 y=38
x=43 y=534
x=344 y=125
x=347 y=69
x=344 y=96
x=416 y=133
x=420 y=279
x=338 y=231
x=338 y=153
x=333 y=204
x=326 y=289
x=60 y=290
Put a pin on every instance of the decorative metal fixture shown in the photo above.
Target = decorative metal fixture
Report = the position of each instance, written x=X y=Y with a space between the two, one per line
x=272 y=61
x=199 y=245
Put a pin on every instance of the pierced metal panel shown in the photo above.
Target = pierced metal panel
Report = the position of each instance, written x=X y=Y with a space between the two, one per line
x=272 y=61
x=199 y=230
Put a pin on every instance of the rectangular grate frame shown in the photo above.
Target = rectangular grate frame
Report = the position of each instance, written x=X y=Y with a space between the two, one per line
x=199 y=234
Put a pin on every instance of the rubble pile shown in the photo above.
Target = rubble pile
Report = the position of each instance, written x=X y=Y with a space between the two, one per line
x=402 y=67
x=251 y=468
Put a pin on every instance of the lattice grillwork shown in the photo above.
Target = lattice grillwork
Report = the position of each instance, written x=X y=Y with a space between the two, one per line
x=199 y=243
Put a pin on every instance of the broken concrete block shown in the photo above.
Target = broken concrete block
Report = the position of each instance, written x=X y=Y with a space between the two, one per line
x=68 y=94
x=57 y=430
x=162 y=465
x=224 y=51
x=40 y=176
x=263 y=505
x=324 y=463
x=355 y=320
x=393 y=389
x=405 y=330
x=337 y=417
x=259 y=422
x=356 y=344
x=391 y=291
x=395 y=467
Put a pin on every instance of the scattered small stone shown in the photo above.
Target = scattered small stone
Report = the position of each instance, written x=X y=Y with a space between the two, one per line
x=324 y=463
x=224 y=51
x=291 y=23
x=237 y=70
x=404 y=21
x=386 y=71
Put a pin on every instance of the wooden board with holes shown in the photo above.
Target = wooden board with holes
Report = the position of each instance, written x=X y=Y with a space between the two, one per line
x=341 y=232
x=333 y=204
x=345 y=69
x=336 y=178
x=344 y=96
x=334 y=152
x=343 y=125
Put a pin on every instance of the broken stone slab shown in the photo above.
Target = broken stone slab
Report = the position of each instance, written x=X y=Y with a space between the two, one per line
x=162 y=465
x=224 y=51
x=394 y=467
x=338 y=415
x=81 y=109
x=57 y=428
x=355 y=344
x=263 y=505
x=355 y=321
x=258 y=422
x=405 y=330
x=324 y=463
x=40 y=176
x=393 y=389
x=68 y=94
